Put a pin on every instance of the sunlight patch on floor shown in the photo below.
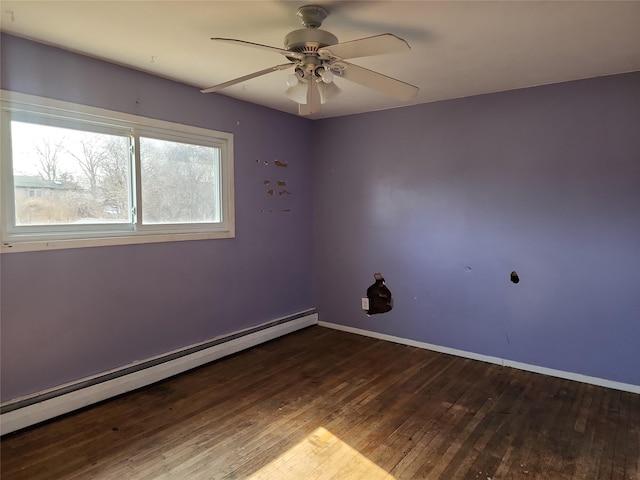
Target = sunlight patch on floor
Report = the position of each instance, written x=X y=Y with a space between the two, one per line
x=321 y=455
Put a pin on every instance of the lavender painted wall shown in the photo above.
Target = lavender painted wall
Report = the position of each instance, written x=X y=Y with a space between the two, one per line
x=67 y=314
x=446 y=199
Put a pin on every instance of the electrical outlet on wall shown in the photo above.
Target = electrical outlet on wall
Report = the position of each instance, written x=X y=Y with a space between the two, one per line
x=365 y=304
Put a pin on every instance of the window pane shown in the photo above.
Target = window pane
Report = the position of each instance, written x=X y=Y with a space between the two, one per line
x=64 y=176
x=180 y=182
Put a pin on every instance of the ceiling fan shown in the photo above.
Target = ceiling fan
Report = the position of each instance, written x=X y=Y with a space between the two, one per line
x=317 y=58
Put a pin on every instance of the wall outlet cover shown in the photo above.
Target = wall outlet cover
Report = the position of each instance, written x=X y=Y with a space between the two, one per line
x=365 y=304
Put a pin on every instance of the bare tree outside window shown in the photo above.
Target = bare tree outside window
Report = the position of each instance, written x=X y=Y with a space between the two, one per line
x=115 y=179
x=90 y=154
x=64 y=176
x=77 y=176
x=179 y=182
x=47 y=158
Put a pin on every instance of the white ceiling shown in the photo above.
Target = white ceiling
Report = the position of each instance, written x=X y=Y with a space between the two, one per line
x=458 y=48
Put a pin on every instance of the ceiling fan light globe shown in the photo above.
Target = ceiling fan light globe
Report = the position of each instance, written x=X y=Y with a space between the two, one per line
x=297 y=93
x=328 y=91
x=292 y=80
x=326 y=75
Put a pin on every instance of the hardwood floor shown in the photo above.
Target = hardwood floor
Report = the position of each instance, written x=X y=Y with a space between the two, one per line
x=324 y=404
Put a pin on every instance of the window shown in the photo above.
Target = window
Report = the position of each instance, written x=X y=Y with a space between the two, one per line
x=76 y=176
x=179 y=182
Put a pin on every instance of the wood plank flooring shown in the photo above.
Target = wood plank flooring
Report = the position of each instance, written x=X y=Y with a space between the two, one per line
x=324 y=404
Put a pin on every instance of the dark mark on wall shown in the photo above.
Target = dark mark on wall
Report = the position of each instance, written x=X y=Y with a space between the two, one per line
x=280 y=183
x=514 y=277
x=379 y=296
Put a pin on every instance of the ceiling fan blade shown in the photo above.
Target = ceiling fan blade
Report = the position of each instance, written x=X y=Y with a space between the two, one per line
x=314 y=104
x=365 y=47
x=220 y=86
x=376 y=81
x=234 y=41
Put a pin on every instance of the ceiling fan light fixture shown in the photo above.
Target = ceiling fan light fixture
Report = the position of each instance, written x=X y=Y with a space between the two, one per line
x=317 y=57
x=328 y=91
x=292 y=80
x=326 y=75
x=298 y=92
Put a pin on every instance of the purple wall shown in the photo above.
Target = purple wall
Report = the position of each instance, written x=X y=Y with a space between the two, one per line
x=446 y=199
x=67 y=314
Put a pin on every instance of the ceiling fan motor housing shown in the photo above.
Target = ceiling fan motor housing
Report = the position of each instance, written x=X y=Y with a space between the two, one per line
x=308 y=40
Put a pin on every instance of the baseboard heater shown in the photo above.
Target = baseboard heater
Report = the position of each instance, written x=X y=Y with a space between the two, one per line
x=27 y=411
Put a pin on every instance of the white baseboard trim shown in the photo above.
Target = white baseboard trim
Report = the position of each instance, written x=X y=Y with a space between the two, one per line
x=627 y=387
x=134 y=376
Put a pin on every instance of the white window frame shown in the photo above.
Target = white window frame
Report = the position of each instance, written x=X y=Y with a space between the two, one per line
x=21 y=239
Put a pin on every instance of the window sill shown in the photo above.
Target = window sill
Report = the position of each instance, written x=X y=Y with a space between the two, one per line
x=26 y=245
